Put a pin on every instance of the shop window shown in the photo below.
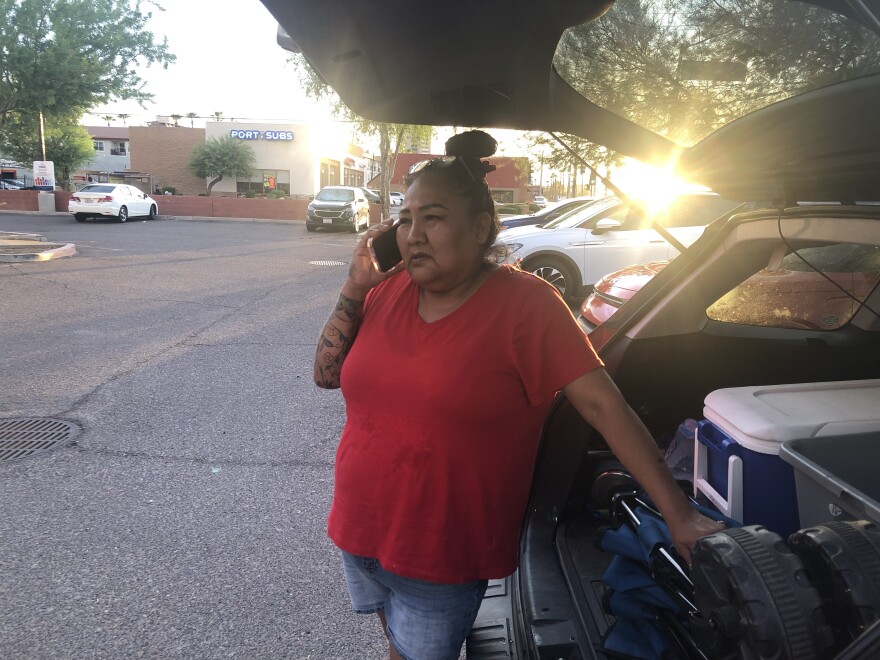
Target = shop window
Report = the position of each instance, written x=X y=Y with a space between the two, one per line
x=329 y=173
x=815 y=288
x=353 y=178
x=265 y=182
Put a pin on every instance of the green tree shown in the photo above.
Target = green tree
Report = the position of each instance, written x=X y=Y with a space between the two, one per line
x=64 y=57
x=176 y=119
x=558 y=158
x=68 y=145
x=220 y=157
x=107 y=118
x=192 y=116
x=391 y=137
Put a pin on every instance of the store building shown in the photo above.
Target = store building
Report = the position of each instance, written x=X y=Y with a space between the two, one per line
x=295 y=159
x=112 y=149
x=164 y=152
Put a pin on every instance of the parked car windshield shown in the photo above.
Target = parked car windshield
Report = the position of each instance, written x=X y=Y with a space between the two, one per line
x=818 y=288
x=575 y=217
x=335 y=195
x=704 y=63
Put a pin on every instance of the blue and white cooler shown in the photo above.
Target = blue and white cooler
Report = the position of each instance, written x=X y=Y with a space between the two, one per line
x=737 y=466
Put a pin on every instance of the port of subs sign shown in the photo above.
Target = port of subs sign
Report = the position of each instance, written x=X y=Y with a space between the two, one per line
x=260 y=135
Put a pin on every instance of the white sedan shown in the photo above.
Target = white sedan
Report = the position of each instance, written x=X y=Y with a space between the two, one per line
x=112 y=200
x=576 y=250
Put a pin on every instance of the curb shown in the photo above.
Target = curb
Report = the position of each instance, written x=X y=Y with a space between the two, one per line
x=59 y=250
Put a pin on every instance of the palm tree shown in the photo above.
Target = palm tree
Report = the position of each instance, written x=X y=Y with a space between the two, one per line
x=218 y=116
x=107 y=118
x=176 y=119
x=191 y=116
x=123 y=117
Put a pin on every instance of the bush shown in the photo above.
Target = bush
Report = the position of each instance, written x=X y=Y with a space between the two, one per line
x=533 y=208
x=276 y=194
x=169 y=189
x=250 y=194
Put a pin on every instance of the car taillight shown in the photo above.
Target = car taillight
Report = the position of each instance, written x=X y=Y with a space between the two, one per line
x=108 y=198
x=75 y=198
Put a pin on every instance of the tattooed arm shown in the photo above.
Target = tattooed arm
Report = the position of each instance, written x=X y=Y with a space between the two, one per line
x=341 y=328
x=338 y=336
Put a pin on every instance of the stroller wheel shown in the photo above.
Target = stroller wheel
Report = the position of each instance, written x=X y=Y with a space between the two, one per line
x=843 y=559
x=756 y=599
x=610 y=480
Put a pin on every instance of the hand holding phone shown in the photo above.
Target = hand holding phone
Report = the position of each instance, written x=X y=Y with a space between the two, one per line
x=384 y=251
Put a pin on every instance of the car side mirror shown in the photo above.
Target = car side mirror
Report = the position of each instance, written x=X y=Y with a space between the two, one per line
x=604 y=226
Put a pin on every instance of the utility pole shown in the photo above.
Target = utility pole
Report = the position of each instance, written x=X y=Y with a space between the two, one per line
x=42 y=136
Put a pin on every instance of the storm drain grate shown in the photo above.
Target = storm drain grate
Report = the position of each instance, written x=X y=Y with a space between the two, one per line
x=327 y=263
x=25 y=436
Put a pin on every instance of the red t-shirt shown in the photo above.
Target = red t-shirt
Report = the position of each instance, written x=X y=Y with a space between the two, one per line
x=435 y=463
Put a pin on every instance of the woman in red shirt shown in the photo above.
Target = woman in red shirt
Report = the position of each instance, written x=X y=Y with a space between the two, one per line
x=448 y=364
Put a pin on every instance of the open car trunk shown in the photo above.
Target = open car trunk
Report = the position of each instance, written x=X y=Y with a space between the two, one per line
x=666 y=356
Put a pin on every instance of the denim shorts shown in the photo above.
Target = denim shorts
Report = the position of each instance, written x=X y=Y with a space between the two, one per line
x=426 y=621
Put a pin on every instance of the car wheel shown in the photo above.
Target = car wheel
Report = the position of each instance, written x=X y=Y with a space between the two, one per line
x=555 y=272
x=309 y=228
x=79 y=217
x=153 y=212
x=123 y=214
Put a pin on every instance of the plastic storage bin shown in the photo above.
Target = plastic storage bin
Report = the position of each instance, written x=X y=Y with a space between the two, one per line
x=737 y=464
x=837 y=478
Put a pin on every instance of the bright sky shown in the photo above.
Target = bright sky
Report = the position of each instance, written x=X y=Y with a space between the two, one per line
x=227 y=61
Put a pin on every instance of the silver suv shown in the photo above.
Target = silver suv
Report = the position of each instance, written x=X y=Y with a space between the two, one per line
x=339 y=207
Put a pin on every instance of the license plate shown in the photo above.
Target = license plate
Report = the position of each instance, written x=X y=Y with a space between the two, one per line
x=328 y=221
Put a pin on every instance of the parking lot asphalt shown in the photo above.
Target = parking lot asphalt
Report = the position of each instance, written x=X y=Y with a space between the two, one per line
x=16 y=246
x=35 y=247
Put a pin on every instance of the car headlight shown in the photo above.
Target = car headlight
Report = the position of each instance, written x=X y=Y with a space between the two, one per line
x=504 y=252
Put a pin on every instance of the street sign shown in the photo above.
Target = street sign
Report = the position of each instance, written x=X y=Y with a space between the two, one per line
x=44 y=175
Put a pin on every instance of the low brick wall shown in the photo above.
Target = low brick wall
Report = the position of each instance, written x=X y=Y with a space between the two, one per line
x=184 y=205
x=61 y=200
x=19 y=200
x=275 y=209
x=189 y=205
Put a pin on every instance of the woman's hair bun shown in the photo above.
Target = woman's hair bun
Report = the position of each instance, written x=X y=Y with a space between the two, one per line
x=471 y=144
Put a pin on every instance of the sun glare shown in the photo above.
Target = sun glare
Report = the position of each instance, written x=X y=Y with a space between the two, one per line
x=653 y=187
x=331 y=137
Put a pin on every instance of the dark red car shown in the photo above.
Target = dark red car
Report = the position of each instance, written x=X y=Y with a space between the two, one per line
x=788 y=295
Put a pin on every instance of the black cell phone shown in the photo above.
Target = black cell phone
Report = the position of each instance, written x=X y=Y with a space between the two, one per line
x=384 y=251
